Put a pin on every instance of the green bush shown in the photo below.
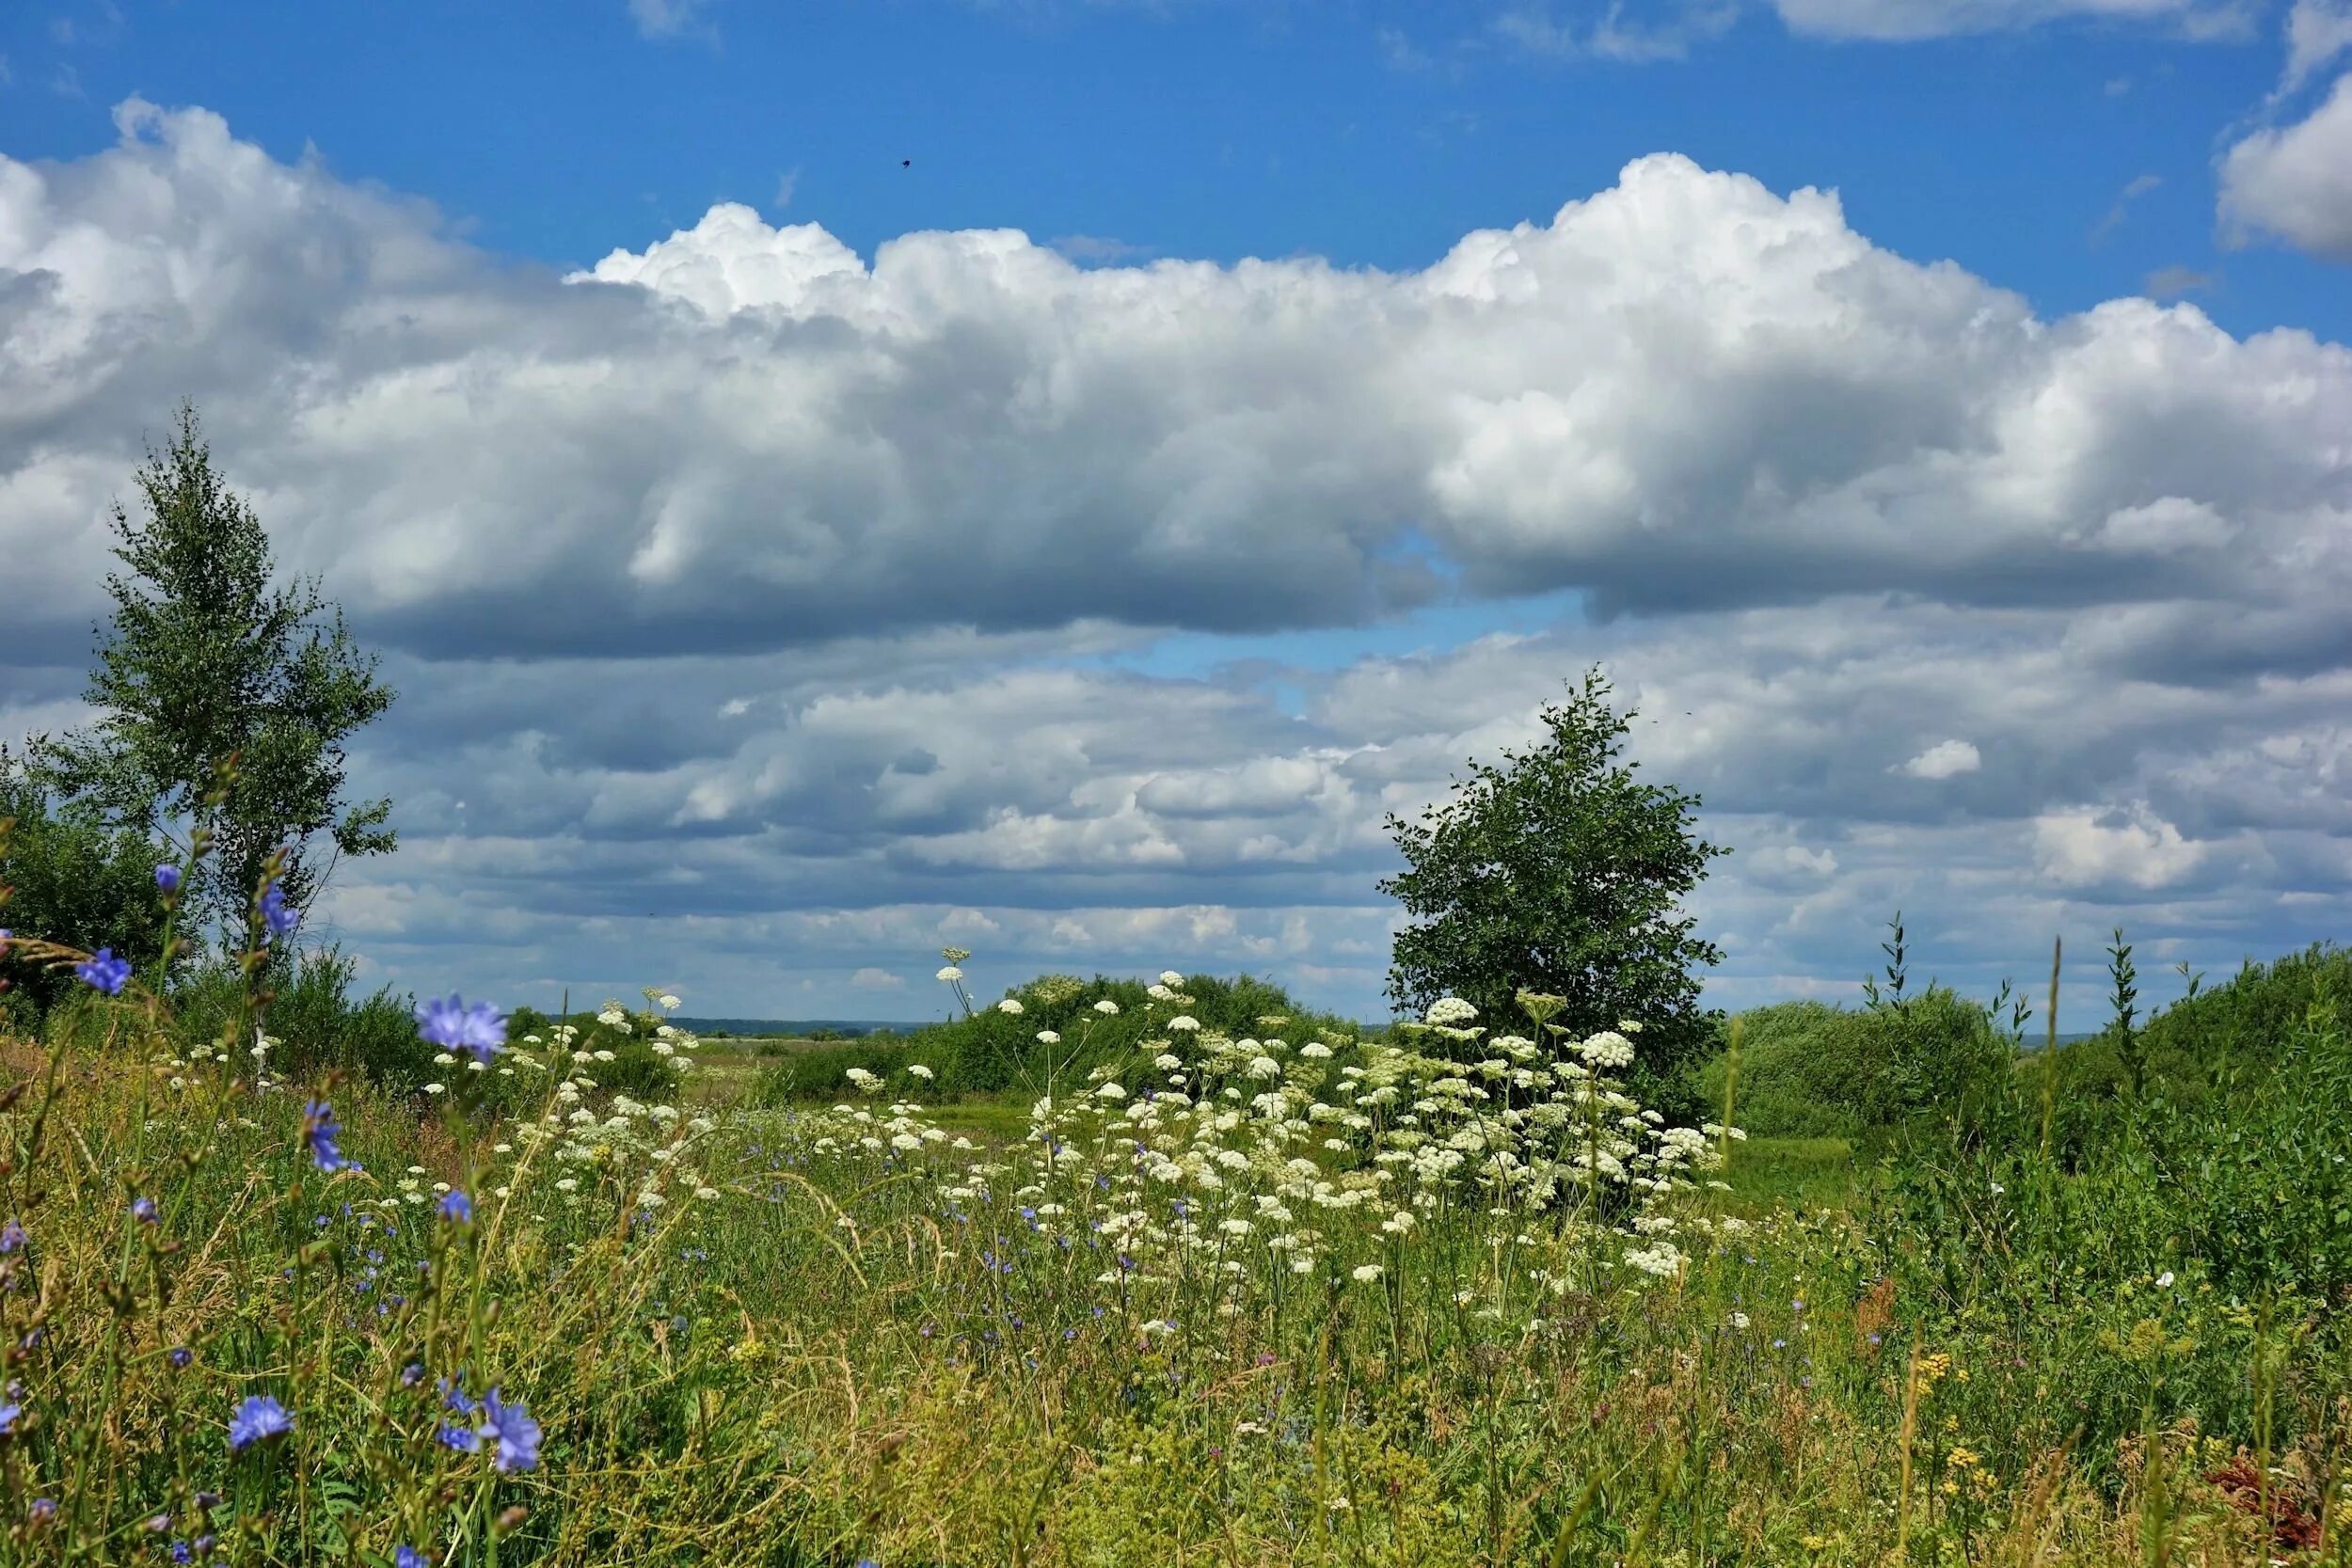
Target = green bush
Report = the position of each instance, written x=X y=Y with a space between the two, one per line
x=994 y=1052
x=69 y=877
x=1809 y=1069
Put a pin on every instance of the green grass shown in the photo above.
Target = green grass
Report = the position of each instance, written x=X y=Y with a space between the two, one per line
x=791 y=1335
x=1806 y=1174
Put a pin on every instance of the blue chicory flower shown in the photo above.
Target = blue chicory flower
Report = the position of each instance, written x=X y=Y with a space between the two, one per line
x=456 y=1207
x=319 y=1130
x=12 y=1237
x=278 y=920
x=258 y=1419
x=167 y=877
x=101 y=970
x=512 y=1429
x=447 y=1021
x=143 y=1210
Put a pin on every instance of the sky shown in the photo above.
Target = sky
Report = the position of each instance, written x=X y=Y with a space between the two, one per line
x=1054 y=477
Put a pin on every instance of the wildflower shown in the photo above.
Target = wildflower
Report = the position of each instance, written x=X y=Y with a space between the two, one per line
x=258 y=1419
x=456 y=1208
x=951 y=973
x=1366 y=1273
x=918 y=1070
x=143 y=1210
x=44 y=1510
x=669 y=1003
x=12 y=1237
x=319 y=1130
x=1169 y=977
x=101 y=970
x=512 y=1429
x=409 y=1557
x=1449 y=1011
x=481 y=1028
x=1183 y=1023
x=278 y=920
x=9 y=1415
x=1108 y=1007
x=2164 y=1280
x=1048 y=1037
x=181 y=1359
x=1010 y=1004
x=436 y=1088
x=167 y=878
x=463 y=1439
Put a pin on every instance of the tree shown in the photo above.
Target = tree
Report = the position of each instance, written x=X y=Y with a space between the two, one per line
x=206 y=661
x=67 y=876
x=1559 y=873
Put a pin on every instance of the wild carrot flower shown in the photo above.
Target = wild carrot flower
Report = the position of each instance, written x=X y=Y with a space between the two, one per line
x=258 y=1419
x=101 y=970
x=512 y=1429
x=319 y=1130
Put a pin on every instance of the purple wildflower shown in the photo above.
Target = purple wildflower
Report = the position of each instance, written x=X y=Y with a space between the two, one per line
x=12 y=1237
x=181 y=1359
x=143 y=1210
x=409 y=1557
x=448 y=1021
x=512 y=1429
x=280 y=920
x=44 y=1510
x=319 y=1130
x=101 y=970
x=167 y=878
x=258 y=1419
x=464 y=1439
x=456 y=1207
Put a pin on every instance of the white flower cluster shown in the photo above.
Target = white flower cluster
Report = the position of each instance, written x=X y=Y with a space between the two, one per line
x=1255 y=1158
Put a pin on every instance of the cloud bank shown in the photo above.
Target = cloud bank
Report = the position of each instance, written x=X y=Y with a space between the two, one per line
x=768 y=615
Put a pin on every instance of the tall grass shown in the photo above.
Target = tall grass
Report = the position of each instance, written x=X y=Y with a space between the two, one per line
x=1234 y=1294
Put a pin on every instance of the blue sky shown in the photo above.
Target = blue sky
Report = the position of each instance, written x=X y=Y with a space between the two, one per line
x=1372 y=134
x=808 y=586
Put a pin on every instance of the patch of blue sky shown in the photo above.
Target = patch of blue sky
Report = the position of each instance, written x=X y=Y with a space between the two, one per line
x=1374 y=135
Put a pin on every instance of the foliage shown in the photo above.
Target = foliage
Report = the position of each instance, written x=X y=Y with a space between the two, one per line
x=1559 y=873
x=1449 y=1299
x=71 y=874
x=206 y=662
x=1105 y=1023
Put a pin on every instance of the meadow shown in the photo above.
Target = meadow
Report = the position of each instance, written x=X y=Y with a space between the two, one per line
x=1163 y=1272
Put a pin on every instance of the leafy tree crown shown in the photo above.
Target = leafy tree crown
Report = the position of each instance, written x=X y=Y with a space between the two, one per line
x=1558 y=872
